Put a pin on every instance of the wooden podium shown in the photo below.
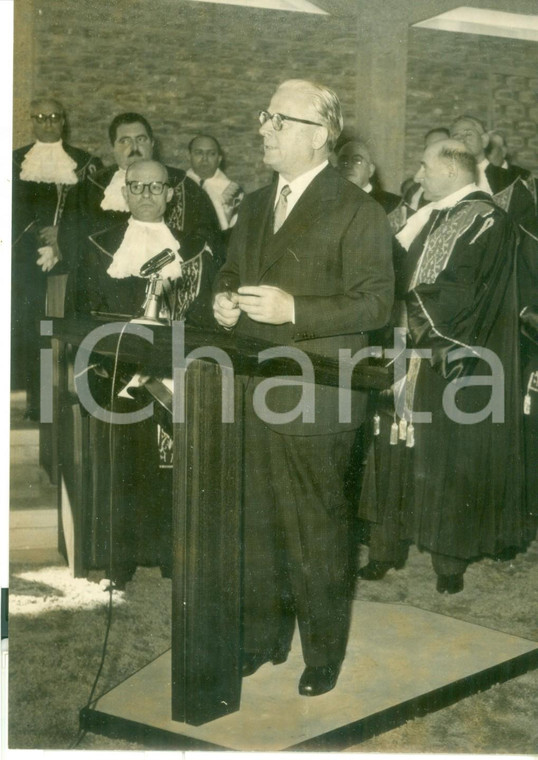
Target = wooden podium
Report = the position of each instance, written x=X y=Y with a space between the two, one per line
x=207 y=489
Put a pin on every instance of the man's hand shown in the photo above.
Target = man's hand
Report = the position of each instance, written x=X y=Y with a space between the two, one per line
x=48 y=257
x=265 y=303
x=225 y=309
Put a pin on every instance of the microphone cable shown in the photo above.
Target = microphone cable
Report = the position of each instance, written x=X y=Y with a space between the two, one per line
x=91 y=700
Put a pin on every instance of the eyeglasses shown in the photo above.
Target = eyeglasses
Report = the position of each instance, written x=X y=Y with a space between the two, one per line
x=351 y=161
x=277 y=119
x=155 y=188
x=41 y=118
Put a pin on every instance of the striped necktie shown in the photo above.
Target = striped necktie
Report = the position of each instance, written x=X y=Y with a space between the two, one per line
x=281 y=208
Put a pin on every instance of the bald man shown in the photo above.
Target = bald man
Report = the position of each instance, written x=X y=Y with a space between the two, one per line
x=108 y=282
x=43 y=175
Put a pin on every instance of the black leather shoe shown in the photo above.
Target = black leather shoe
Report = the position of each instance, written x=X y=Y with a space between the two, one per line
x=375 y=570
x=449 y=584
x=252 y=662
x=315 y=681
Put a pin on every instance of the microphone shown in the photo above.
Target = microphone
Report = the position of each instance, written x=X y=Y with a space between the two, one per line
x=157 y=262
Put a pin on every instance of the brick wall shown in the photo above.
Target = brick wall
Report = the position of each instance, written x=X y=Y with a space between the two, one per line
x=493 y=78
x=188 y=67
x=203 y=67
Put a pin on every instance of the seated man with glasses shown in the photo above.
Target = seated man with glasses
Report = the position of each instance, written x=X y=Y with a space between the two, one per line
x=109 y=283
x=43 y=174
x=355 y=164
x=108 y=279
x=100 y=202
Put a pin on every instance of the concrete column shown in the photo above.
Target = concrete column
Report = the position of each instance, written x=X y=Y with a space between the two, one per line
x=23 y=70
x=381 y=86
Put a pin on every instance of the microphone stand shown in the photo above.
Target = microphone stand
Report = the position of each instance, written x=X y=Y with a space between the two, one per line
x=152 y=303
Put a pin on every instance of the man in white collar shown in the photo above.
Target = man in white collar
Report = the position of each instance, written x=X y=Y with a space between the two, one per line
x=44 y=174
x=99 y=202
x=109 y=283
x=206 y=157
x=108 y=278
x=309 y=266
x=510 y=189
x=452 y=479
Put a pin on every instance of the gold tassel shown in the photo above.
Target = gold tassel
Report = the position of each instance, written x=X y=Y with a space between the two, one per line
x=402 y=430
x=410 y=439
x=377 y=424
x=527 y=404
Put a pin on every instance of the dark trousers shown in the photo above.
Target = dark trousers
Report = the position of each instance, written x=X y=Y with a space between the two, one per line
x=385 y=546
x=297 y=542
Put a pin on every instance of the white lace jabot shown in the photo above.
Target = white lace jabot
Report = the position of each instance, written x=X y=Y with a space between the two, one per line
x=113 y=199
x=141 y=241
x=48 y=162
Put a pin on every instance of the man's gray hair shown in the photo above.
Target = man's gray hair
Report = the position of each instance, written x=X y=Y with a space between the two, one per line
x=326 y=103
x=479 y=124
x=58 y=107
x=464 y=160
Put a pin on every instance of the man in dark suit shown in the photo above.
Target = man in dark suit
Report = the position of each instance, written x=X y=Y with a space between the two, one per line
x=309 y=267
x=44 y=173
x=510 y=190
x=99 y=202
x=355 y=164
x=497 y=154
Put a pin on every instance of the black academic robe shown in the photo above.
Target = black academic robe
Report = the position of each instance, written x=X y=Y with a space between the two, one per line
x=190 y=211
x=35 y=205
x=459 y=491
x=92 y=289
x=136 y=523
x=528 y=309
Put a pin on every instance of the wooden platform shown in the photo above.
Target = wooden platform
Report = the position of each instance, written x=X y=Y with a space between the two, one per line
x=402 y=662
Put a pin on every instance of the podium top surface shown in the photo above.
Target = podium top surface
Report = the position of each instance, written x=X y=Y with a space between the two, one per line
x=156 y=347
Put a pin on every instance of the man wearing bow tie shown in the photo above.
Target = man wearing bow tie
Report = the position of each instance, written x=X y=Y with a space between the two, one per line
x=44 y=174
x=309 y=266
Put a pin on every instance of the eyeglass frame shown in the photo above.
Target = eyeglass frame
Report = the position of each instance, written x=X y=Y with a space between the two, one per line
x=265 y=116
x=350 y=161
x=53 y=117
x=148 y=185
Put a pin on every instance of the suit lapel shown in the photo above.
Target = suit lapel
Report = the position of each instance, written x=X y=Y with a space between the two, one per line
x=259 y=232
x=311 y=206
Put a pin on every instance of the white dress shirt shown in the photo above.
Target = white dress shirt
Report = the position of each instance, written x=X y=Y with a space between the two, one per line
x=298 y=185
x=220 y=189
